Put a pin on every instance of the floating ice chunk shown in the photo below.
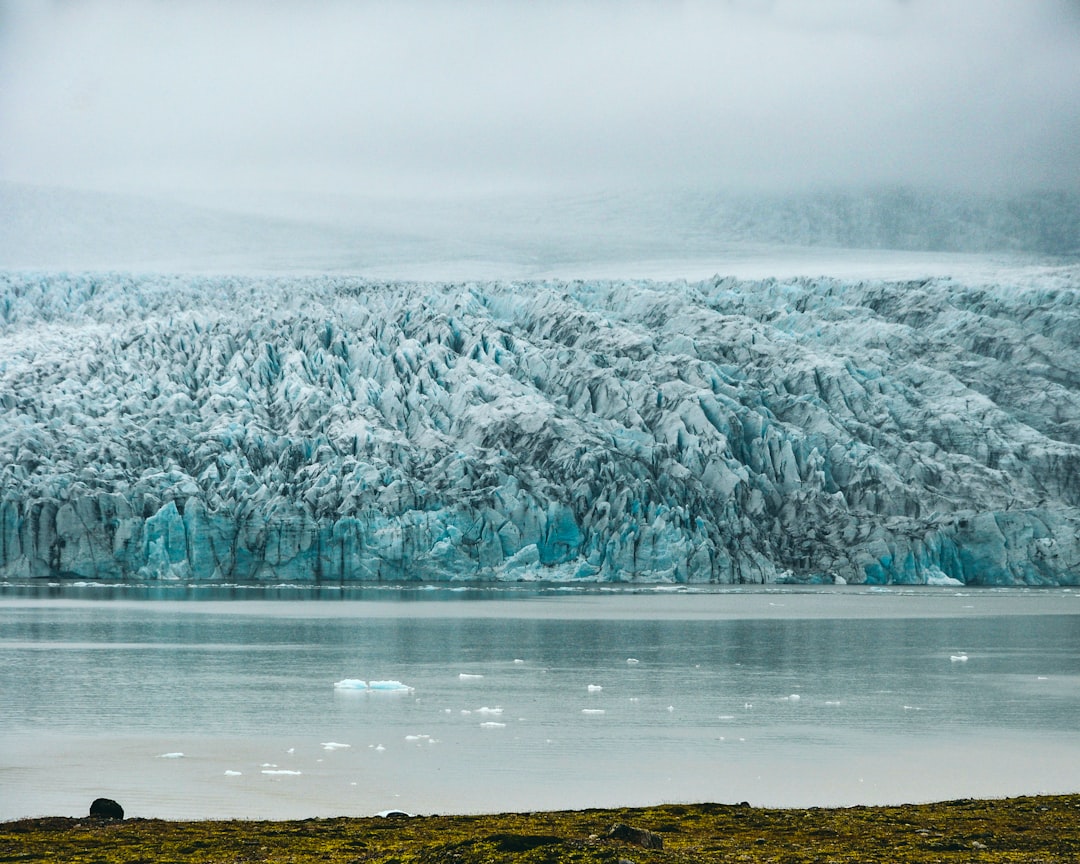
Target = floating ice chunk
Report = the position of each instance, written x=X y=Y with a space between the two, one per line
x=268 y=765
x=379 y=748
x=486 y=710
x=373 y=686
x=518 y=662
x=833 y=703
x=281 y=772
x=417 y=737
x=593 y=711
x=1041 y=678
x=234 y=773
x=171 y=756
x=334 y=745
x=938 y=579
x=468 y=676
x=959 y=658
x=291 y=750
x=670 y=708
x=726 y=717
x=492 y=724
x=595 y=688
x=632 y=661
x=390 y=687
x=794 y=697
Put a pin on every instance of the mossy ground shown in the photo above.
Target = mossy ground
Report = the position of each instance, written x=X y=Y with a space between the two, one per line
x=1035 y=829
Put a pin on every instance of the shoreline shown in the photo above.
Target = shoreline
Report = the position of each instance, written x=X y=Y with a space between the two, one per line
x=1043 y=828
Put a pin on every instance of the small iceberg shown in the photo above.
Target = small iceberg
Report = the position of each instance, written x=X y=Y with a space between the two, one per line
x=959 y=658
x=492 y=724
x=595 y=688
x=171 y=756
x=372 y=686
x=389 y=687
x=234 y=773
x=334 y=745
x=593 y=711
x=632 y=661
x=280 y=772
x=468 y=676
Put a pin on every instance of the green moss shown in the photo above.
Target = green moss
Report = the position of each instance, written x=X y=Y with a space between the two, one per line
x=1042 y=829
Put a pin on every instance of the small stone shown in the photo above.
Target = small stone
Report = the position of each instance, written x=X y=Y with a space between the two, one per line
x=637 y=836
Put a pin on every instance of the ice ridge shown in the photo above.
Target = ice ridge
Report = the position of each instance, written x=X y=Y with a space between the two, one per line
x=333 y=429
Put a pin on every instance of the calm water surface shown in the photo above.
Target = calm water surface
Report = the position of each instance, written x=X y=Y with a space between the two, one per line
x=776 y=697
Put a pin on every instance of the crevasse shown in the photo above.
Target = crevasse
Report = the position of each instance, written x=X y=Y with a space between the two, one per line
x=333 y=429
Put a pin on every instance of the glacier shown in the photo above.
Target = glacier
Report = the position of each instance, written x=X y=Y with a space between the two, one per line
x=334 y=429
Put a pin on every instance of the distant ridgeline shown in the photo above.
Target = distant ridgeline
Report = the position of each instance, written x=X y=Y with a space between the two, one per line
x=324 y=428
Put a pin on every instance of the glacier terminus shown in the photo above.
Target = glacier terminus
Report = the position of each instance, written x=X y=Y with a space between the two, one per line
x=336 y=429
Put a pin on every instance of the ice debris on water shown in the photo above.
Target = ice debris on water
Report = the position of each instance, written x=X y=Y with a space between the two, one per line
x=334 y=745
x=230 y=773
x=373 y=686
x=288 y=428
x=595 y=688
x=469 y=676
x=593 y=711
x=959 y=658
x=390 y=687
x=171 y=756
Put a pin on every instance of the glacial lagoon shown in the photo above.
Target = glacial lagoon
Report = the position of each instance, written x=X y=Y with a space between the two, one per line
x=187 y=701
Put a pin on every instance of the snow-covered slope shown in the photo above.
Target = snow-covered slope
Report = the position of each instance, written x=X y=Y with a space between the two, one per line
x=330 y=428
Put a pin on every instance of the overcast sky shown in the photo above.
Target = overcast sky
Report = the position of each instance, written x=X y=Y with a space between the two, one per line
x=512 y=95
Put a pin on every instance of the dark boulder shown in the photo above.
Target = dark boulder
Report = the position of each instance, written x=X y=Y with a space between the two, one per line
x=637 y=836
x=106 y=808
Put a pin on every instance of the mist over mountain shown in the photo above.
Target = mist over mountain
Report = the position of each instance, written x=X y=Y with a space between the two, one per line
x=517 y=236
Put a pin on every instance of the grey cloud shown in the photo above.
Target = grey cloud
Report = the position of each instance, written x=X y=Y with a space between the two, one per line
x=430 y=96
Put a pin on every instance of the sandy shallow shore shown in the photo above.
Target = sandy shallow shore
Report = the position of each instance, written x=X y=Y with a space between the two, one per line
x=1027 y=829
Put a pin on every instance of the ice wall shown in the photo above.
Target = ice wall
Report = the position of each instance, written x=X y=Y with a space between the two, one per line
x=328 y=428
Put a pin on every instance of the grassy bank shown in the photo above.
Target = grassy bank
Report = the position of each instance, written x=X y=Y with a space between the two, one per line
x=1034 y=829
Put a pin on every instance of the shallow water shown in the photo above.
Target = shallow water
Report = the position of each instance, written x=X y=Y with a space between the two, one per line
x=779 y=697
